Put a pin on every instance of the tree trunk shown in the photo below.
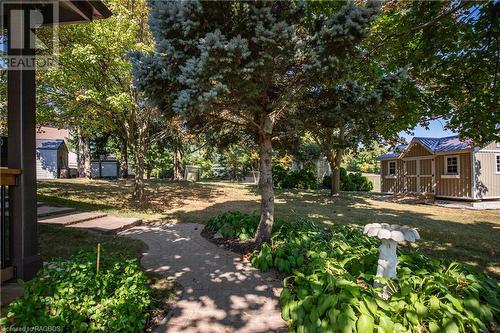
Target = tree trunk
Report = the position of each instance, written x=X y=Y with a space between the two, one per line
x=139 y=143
x=331 y=163
x=337 y=160
x=86 y=154
x=139 y=174
x=265 y=227
x=123 y=157
x=177 y=173
x=79 y=155
x=83 y=158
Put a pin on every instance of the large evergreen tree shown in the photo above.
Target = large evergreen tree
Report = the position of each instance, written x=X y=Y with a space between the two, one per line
x=243 y=64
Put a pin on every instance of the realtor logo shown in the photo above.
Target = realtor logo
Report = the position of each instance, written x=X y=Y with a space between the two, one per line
x=32 y=38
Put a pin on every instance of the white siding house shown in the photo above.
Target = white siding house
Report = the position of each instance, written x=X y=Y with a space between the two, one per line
x=51 y=157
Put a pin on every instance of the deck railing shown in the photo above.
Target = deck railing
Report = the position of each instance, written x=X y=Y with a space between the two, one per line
x=7 y=179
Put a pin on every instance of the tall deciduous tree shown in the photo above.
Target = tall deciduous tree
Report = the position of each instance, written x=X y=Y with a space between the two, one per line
x=349 y=114
x=92 y=89
x=451 y=49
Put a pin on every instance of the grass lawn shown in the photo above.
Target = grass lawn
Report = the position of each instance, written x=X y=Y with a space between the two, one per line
x=465 y=235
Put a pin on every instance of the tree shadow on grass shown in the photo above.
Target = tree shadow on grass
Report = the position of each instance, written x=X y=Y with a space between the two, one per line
x=475 y=242
x=160 y=196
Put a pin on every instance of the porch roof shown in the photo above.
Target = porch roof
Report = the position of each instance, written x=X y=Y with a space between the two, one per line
x=393 y=154
x=68 y=11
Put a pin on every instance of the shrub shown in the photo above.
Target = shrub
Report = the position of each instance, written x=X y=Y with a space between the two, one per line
x=234 y=225
x=279 y=174
x=350 y=181
x=300 y=179
x=361 y=182
x=71 y=295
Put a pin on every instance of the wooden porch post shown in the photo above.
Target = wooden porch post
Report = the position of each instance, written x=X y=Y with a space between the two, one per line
x=22 y=155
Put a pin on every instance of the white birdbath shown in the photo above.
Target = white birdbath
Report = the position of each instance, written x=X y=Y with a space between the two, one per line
x=390 y=235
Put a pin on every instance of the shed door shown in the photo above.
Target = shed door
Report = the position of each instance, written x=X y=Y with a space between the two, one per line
x=411 y=176
x=425 y=177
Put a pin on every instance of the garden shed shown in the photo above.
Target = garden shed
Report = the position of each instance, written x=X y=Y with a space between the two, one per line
x=449 y=167
x=51 y=158
x=105 y=168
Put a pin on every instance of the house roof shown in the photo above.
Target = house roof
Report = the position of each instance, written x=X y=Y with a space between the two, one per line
x=52 y=133
x=48 y=144
x=393 y=154
x=446 y=144
x=434 y=145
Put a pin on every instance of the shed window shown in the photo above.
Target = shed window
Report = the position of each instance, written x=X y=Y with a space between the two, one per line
x=452 y=167
x=392 y=168
x=498 y=163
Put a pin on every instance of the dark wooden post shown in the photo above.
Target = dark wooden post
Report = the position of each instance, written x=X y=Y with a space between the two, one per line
x=22 y=155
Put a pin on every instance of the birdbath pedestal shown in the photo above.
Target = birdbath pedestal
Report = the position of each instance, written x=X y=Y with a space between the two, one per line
x=390 y=235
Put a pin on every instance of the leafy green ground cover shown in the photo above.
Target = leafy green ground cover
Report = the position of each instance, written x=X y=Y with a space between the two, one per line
x=72 y=295
x=329 y=287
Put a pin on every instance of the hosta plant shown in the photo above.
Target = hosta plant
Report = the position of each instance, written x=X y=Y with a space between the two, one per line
x=234 y=225
x=329 y=287
x=71 y=295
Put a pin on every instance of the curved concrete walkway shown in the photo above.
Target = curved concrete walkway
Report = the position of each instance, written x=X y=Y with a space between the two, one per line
x=221 y=293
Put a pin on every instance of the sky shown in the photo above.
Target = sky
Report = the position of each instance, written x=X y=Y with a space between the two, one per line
x=436 y=130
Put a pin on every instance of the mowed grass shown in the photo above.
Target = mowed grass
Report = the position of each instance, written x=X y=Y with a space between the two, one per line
x=470 y=236
x=59 y=242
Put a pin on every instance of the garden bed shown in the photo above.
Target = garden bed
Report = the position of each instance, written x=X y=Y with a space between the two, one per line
x=330 y=274
x=231 y=244
x=69 y=293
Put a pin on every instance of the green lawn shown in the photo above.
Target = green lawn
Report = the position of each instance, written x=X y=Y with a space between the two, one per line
x=465 y=235
x=59 y=242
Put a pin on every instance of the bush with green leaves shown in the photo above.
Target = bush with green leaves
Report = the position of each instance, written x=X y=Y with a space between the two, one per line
x=299 y=179
x=234 y=225
x=71 y=295
x=350 y=181
x=279 y=174
x=331 y=274
x=332 y=291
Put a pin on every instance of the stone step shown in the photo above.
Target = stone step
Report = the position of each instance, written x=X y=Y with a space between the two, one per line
x=9 y=292
x=72 y=218
x=43 y=211
x=108 y=224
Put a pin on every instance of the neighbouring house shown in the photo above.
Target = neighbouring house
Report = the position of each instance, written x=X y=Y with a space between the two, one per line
x=52 y=133
x=51 y=159
x=448 y=167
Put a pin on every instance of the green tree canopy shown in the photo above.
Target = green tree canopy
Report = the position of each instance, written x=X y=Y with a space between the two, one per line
x=452 y=53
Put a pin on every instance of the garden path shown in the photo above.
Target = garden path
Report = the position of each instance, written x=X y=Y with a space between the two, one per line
x=221 y=292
